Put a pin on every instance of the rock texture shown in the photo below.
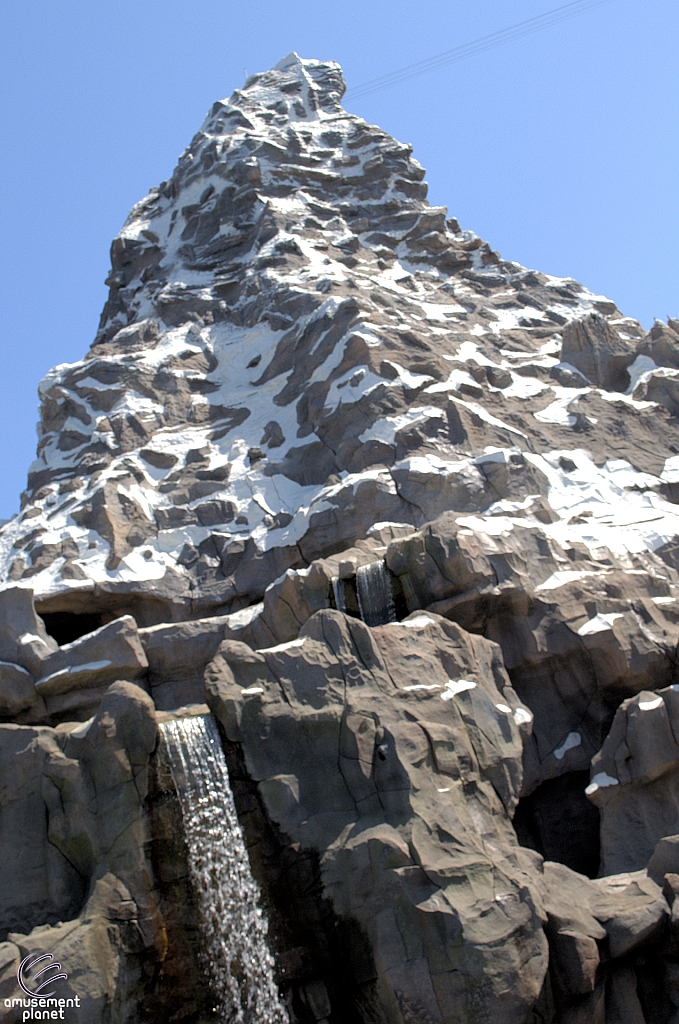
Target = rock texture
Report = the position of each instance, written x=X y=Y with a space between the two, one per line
x=412 y=833
x=73 y=833
x=297 y=346
x=314 y=399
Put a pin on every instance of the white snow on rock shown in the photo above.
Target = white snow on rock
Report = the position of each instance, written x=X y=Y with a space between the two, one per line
x=297 y=346
x=574 y=739
x=601 y=781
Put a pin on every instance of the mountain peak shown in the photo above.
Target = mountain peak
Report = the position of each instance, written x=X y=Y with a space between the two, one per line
x=297 y=346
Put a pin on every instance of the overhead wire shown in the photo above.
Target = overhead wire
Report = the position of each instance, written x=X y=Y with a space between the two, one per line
x=459 y=53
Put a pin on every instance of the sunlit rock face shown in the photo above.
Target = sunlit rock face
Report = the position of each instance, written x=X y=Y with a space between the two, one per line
x=314 y=399
x=297 y=346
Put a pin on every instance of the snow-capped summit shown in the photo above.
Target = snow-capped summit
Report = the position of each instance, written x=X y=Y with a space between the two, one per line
x=297 y=346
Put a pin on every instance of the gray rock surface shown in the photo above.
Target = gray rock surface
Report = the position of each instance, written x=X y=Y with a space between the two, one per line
x=23 y=638
x=73 y=829
x=17 y=691
x=413 y=831
x=665 y=859
x=595 y=348
x=635 y=780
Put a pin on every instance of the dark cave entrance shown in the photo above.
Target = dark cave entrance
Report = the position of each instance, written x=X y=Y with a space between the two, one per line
x=559 y=822
x=65 y=627
x=77 y=614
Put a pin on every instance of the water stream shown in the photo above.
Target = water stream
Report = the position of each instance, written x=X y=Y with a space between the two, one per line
x=239 y=966
x=338 y=593
x=375 y=598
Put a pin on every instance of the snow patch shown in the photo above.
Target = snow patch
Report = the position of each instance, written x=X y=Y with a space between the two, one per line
x=455 y=686
x=574 y=739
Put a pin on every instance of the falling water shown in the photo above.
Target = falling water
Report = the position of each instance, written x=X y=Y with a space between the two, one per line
x=238 y=962
x=375 y=599
x=338 y=594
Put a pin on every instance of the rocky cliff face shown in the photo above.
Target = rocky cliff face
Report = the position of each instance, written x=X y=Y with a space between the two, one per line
x=314 y=399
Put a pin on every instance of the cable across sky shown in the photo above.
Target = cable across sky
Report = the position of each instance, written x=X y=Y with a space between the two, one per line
x=459 y=53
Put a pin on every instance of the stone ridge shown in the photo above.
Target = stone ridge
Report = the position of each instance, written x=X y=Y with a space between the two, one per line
x=296 y=347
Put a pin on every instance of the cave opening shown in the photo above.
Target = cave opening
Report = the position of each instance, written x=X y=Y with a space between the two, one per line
x=560 y=823
x=65 y=627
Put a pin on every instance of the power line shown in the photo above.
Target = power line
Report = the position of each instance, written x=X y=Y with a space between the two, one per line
x=459 y=53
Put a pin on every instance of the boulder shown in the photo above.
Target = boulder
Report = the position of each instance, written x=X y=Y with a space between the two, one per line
x=662 y=387
x=596 y=349
x=632 y=909
x=635 y=780
x=75 y=676
x=593 y=926
x=23 y=638
x=661 y=344
x=574 y=647
x=665 y=859
x=17 y=692
x=177 y=653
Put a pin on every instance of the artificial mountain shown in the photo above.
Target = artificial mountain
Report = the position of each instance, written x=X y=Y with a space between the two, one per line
x=404 y=515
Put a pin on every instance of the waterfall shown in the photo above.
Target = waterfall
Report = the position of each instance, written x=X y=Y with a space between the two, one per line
x=375 y=598
x=338 y=594
x=238 y=963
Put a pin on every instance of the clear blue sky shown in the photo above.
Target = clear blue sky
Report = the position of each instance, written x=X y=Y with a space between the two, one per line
x=560 y=148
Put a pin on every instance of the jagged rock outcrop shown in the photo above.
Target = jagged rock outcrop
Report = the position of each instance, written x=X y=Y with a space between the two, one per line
x=635 y=777
x=314 y=399
x=73 y=830
x=412 y=833
x=51 y=683
x=598 y=352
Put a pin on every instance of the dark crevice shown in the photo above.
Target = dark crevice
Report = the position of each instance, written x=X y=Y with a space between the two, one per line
x=560 y=822
x=65 y=627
